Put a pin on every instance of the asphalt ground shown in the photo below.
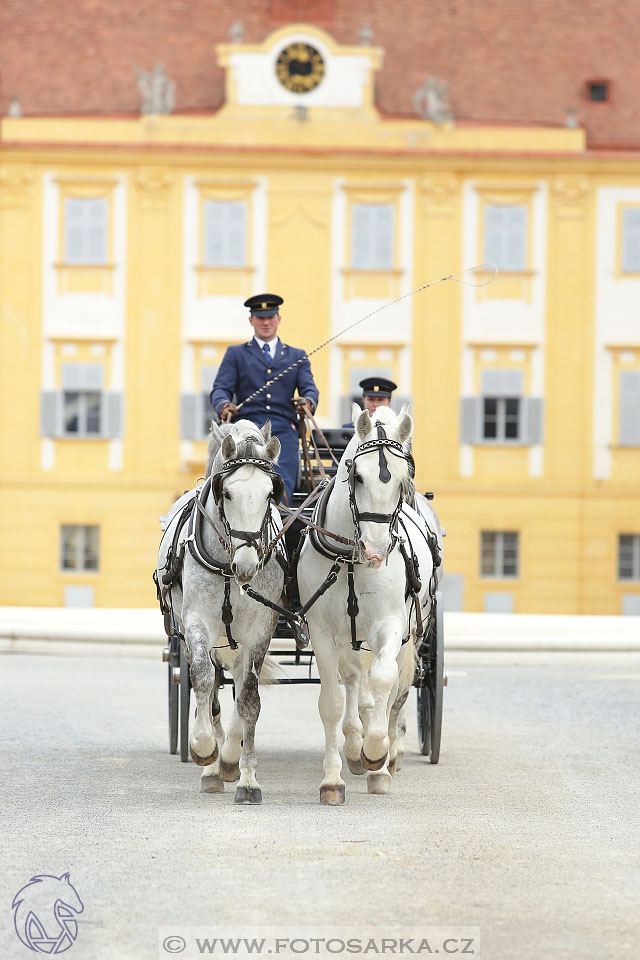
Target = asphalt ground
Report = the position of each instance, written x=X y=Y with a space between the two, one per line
x=527 y=828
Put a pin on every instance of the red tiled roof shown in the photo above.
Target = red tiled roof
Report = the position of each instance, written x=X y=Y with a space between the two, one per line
x=504 y=60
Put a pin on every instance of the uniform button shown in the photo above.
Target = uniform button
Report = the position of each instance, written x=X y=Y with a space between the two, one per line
x=268 y=407
x=268 y=371
x=268 y=396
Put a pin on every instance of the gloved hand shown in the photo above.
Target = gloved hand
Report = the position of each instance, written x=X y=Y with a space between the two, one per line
x=228 y=412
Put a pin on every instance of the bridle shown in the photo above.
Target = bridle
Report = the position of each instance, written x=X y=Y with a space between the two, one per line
x=258 y=539
x=395 y=449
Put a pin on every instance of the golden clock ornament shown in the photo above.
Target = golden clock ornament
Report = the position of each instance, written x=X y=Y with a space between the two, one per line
x=300 y=67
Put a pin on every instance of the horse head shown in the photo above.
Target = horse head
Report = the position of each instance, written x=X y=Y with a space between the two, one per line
x=379 y=478
x=243 y=492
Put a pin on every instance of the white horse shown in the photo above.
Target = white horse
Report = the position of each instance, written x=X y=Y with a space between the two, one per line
x=395 y=569
x=214 y=560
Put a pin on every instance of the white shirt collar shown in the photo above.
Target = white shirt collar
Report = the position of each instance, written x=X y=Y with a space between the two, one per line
x=272 y=344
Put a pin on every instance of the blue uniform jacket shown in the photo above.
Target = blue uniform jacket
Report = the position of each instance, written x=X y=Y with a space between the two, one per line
x=245 y=368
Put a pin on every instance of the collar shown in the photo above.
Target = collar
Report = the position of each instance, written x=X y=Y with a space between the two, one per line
x=272 y=344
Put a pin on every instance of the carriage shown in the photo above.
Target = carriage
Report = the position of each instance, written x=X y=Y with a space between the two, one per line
x=320 y=453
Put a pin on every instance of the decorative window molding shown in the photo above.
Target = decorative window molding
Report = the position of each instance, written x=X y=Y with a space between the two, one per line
x=85 y=260
x=499 y=554
x=79 y=548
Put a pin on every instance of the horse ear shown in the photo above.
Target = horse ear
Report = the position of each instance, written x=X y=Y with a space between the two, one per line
x=228 y=447
x=363 y=424
x=403 y=409
x=405 y=426
x=273 y=448
x=356 y=410
x=266 y=431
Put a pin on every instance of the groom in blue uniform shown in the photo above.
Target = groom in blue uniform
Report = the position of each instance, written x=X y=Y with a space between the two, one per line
x=249 y=366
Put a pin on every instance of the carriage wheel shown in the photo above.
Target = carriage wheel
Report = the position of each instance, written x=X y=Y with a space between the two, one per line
x=185 y=689
x=173 y=709
x=430 y=692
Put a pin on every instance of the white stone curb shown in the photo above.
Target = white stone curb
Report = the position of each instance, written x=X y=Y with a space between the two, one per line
x=134 y=631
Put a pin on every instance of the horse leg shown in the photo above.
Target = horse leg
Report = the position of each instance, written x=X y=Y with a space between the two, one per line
x=397 y=730
x=210 y=779
x=351 y=672
x=383 y=677
x=232 y=746
x=330 y=705
x=248 y=705
x=202 y=742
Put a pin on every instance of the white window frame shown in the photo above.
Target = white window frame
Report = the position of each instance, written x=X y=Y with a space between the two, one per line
x=81 y=549
x=630 y=252
x=371 y=248
x=499 y=547
x=91 y=238
x=224 y=251
x=633 y=556
x=505 y=242
x=501 y=419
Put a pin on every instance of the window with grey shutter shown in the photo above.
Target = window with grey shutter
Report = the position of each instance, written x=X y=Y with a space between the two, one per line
x=114 y=414
x=79 y=547
x=631 y=240
x=505 y=236
x=470 y=419
x=189 y=419
x=502 y=406
x=83 y=400
x=629 y=427
x=629 y=556
x=225 y=234
x=50 y=413
x=372 y=236
x=499 y=553
x=533 y=410
x=85 y=230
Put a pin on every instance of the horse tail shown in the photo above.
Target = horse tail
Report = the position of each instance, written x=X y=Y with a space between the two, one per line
x=271 y=671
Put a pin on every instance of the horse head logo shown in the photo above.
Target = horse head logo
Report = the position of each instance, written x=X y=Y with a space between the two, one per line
x=44 y=913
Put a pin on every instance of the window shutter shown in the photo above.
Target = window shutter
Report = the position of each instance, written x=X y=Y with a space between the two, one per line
x=49 y=415
x=502 y=383
x=225 y=234
x=533 y=412
x=469 y=419
x=82 y=376
x=629 y=427
x=383 y=237
x=189 y=416
x=631 y=240
x=505 y=234
x=113 y=415
x=85 y=229
x=361 y=228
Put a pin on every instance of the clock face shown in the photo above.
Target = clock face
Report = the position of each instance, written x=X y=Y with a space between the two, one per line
x=300 y=67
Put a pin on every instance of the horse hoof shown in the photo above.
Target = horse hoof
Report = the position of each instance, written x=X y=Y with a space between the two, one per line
x=230 y=772
x=355 y=767
x=333 y=796
x=248 y=795
x=378 y=783
x=211 y=785
x=372 y=764
x=203 y=761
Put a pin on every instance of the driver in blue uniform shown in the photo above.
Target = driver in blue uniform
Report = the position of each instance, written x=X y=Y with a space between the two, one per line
x=248 y=366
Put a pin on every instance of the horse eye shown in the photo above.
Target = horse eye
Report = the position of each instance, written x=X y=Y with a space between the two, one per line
x=227 y=496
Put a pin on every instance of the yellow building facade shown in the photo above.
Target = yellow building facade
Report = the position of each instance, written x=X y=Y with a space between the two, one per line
x=127 y=247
